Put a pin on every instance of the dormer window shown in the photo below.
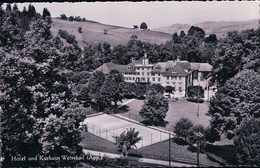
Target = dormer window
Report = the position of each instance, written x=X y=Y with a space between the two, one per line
x=174 y=71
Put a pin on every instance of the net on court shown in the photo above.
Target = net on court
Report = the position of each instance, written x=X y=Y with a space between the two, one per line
x=107 y=126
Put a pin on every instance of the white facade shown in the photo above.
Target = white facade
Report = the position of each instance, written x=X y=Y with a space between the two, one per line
x=178 y=74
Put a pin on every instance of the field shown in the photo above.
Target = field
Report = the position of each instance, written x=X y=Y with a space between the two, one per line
x=93 y=32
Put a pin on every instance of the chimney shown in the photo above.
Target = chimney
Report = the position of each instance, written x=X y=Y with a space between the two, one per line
x=145 y=55
x=178 y=58
x=132 y=59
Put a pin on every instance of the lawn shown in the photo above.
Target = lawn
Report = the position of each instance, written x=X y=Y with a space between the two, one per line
x=177 y=110
x=93 y=142
x=180 y=151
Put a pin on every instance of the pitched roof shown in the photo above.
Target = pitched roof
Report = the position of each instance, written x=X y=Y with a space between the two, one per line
x=169 y=67
x=203 y=67
x=176 y=70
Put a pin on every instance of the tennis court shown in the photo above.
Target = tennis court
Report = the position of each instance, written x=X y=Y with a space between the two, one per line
x=107 y=126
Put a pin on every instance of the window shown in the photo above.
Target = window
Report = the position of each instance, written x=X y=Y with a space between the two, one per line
x=159 y=74
x=142 y=68
x=142 y=79
x=159 y=79
x=202 y=76
x=180 y=88
x=167 y=83
x=174 y=71
x=137 y=73
x=180 y=83
x=138 y=68
x=143 y=73
x=130 y=78
x=148 y=73
x=133 y=78
x=152 y=74
x=153 y=79
x=180 y=77
x=195 y=75
x=168 y=77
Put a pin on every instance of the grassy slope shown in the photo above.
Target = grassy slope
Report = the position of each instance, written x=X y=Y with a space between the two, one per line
x=94 y=33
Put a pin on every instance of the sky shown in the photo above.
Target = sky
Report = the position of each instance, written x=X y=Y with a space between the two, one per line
x=155 y=14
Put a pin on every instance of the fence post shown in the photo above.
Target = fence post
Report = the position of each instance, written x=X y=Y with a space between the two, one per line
x=151 y=138
x=93 y=129
x=106 y=133
x=142 y=142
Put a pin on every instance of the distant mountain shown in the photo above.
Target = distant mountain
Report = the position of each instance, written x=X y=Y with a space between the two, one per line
x=219 y=28
x=93 y=32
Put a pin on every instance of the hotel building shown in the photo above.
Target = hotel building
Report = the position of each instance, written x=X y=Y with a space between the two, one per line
x=178 y=74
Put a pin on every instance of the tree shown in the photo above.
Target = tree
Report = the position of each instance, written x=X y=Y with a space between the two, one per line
x=31 y=11
x=212 y=38
x=105 y=31
x=182 y=34
x=45 y=13
x=96 y=81
x=236 y=100
x=63 y=17
x=182 y=128
x=143 y=26
x=175 y=38
x=169 y=89
x=135 y=27
x=195 y=93
x=8 y=7
x=227 y=61
x=127 y=140
x=15 y=8
x=247 y=142
x=194 y=130
x=36 y=97
x=196 y=31
x=155 y=87
x=71 y=18
x=112 y=88
x=154 y=109
x=212 y=135
x=80 y=29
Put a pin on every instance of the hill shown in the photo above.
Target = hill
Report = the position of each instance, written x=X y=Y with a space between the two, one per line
x=93 y=32
x=218 y=28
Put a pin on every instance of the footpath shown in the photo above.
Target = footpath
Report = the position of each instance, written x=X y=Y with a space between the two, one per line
x=143 y=160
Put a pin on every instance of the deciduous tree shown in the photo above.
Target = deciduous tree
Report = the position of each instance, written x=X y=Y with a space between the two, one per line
x=247 y=142
x=154 y=109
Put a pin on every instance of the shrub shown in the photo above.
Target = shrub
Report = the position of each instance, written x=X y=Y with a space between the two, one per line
x=68 y=37
x=195 y=91
x=182 y=128
x=80 y=29
x=127 y=139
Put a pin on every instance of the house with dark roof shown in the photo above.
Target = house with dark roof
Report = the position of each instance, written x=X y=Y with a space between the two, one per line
x=178 y=74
